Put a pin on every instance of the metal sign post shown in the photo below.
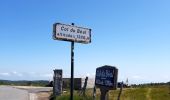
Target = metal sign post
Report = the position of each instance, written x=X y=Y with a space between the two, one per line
x=72 y=34
x=72 y=71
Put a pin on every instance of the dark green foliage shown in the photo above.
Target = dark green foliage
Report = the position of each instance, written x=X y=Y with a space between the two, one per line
x=150 y=85
x=24 y=83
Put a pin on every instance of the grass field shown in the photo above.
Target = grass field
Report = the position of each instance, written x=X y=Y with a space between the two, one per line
x=143 y=93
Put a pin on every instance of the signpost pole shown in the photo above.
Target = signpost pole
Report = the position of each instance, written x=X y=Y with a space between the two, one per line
x=73 y=34
x=104 y=94
x=72 y=69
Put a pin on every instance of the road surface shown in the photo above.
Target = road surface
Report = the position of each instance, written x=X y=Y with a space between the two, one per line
x=10 y=93
x=32 y=89
x=21 y=92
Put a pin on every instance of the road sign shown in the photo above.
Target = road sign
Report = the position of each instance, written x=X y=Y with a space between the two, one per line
x=106 y=79
x=71 y=33
x=106 y=76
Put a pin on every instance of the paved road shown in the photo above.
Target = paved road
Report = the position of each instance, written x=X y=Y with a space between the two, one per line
x=21 y=92
x=10 y=93
x=36 y=89
x=36 y=93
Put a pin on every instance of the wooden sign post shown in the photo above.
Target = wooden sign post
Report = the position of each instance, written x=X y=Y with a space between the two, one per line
x=83 y=90
x=106 y=79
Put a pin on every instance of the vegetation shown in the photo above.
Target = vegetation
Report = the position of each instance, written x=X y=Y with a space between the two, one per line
x=162 y=92
x=151 y=91
x=24 y=83
x=158 y=92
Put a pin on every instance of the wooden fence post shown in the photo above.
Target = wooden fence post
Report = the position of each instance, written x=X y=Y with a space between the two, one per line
x=121 y=87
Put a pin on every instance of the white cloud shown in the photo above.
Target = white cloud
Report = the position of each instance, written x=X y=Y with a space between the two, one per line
x=4 y=74
x=87 y=74
x=66 y=75
x=14 y=75
x=17 y=73
x=90 y=75
x=48 y=75
x=136 y=77
x=14 y=72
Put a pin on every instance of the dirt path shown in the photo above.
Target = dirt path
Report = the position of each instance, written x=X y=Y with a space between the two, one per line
x=43 y=95
x=148 y=94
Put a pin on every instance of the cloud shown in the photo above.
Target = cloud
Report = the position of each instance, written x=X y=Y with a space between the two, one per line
x=4 y=74
x=87 y=74
x=136 y=77
x=17 y=73
x=90 y=75
x=66 y=75
x=48 y=75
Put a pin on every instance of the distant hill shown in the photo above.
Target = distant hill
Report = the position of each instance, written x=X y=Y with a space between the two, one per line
x=151 y=84
x=25 y=83
x=90 y=83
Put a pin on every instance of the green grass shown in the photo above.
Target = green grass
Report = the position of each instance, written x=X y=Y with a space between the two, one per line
x=134 y=94
x=143 y=93
x=76 y=97
x=160 y=93
x=66 y=96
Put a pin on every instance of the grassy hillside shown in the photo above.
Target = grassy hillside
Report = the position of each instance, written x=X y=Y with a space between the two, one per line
x=160 y=93
x=141 y=93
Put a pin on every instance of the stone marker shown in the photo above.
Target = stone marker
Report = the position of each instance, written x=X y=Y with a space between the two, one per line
x=57 y=87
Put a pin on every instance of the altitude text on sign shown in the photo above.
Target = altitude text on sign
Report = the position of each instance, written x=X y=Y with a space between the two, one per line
x=106 y=76
x=71 y=33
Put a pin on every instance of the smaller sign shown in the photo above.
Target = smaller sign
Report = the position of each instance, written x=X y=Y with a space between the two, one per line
x=71 y=33
x=106 y=76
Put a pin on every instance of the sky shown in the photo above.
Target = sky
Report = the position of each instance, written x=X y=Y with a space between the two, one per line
x=132 y=35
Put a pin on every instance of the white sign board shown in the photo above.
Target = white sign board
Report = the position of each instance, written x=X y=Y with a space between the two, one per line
x=71 y=33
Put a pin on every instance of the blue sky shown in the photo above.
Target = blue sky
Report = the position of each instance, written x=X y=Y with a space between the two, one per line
x=132 y=35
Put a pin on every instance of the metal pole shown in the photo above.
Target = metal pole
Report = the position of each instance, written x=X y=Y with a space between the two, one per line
x=72 y=70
